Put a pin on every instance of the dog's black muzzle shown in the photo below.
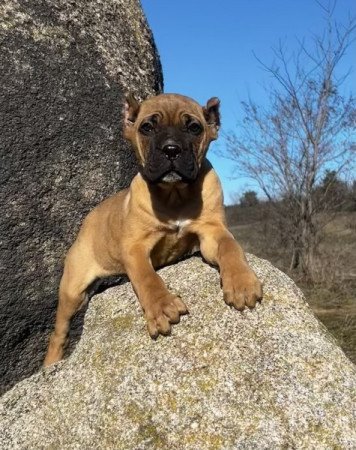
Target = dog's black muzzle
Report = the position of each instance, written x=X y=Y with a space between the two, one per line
x=170 y=160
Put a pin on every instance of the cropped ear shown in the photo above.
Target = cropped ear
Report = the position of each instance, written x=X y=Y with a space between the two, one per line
x=212 y=115
x=132 y=108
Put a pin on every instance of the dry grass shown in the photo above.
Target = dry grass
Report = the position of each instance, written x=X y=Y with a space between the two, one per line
x=336 y=308
x=333 y=296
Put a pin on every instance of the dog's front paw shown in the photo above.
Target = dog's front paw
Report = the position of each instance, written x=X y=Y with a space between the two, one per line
x=241 y=288
x=161 y=312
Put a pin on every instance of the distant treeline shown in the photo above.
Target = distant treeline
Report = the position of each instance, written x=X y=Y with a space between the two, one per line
x=335 y=194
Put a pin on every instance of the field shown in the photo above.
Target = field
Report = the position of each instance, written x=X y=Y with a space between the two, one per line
x=333 y=296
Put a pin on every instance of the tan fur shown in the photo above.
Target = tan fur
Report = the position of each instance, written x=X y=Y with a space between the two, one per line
x=147 y=226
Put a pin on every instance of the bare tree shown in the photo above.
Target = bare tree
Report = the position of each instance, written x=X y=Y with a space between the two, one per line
x=306 y=129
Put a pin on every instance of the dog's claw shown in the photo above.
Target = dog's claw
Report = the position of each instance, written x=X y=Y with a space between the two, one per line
x=235 y=300
x=163 y=324
x=162 y=313
x=241 y=290
x=152 y=329
x=182 y=308
x=172 y=312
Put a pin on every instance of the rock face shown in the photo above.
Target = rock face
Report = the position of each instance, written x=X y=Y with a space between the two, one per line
x=268 y=378
x=64 y=68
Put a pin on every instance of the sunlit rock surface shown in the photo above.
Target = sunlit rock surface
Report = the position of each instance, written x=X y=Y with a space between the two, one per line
x=271 y=378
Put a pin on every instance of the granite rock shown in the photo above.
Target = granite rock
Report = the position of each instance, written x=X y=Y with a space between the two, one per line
x=65 y=66
x=269 y=378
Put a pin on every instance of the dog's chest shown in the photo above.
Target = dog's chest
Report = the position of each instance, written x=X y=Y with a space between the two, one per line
x=176 y=241
x=179 y=226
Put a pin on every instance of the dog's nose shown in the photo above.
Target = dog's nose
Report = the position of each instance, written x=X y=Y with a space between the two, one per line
x=172 y=151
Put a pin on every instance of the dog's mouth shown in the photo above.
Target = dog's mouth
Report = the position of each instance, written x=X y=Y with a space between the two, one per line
x=159 y=169
x=172 y=177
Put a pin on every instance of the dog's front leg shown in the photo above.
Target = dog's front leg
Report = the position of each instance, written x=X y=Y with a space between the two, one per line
x=240 y=284
x=160 y=306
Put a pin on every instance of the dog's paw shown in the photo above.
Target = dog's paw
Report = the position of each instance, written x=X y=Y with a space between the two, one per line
x=241 y=289
x=162 y=312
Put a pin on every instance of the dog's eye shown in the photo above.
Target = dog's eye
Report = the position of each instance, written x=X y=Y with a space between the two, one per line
x=194 y=128
x=146 y=127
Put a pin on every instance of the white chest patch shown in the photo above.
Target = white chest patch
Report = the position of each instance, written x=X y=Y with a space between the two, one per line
x=179 y=225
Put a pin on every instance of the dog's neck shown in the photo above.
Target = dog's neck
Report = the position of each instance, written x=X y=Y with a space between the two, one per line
x=170 y=200
x=173 y=195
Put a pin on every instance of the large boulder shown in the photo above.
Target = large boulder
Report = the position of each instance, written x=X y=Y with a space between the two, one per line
x=270 y=378
x=65 y=66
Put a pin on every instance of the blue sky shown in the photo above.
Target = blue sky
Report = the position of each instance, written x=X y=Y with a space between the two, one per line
x=206 y=49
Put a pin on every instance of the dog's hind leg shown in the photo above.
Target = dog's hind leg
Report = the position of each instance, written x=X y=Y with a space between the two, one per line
x=79 y=273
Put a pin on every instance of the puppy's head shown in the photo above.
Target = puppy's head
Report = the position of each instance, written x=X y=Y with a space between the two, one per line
x=171 y=135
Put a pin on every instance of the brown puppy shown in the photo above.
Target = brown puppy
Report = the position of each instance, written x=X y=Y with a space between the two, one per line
x=173 y=206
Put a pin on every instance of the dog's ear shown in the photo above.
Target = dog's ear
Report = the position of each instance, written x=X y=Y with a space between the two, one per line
x=212 y=115
x=132 y=107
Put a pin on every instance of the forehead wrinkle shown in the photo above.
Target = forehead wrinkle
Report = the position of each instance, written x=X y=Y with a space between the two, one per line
x=165 y=116
x=190 y=114
x=150 y=115
x=177 y=116
x=171 y=107
x=139 y=149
